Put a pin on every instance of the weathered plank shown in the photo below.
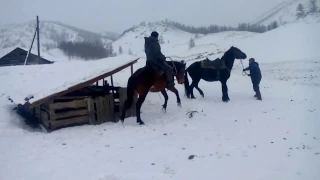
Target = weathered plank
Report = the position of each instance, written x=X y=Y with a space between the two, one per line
x=131 y=112
x=70 y=113
x=91 y=111
x=70 y=121
x=110 y=108
x=44 y=118
x=71 y=104
x=70 y=97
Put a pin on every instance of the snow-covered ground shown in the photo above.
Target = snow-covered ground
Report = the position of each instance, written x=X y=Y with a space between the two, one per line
x=277 y=138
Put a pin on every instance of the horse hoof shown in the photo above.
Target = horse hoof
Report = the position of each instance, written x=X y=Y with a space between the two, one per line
x=179 y=105
x=164 y=110
x=141 y=123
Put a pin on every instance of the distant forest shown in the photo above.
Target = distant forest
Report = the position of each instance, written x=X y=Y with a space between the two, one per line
x=86 y=50
x=214 y=28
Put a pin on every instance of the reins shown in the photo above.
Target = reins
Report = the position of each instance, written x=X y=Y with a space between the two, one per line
x=243 y=72
x=174 y=66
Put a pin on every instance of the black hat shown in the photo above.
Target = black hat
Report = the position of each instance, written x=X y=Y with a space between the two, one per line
x=154 y=34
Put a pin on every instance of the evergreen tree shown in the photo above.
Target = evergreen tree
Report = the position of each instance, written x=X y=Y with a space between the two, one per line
x=161 y=40
x=313 y=7
x=300 y=11
x=120 y=50
x=191 y=43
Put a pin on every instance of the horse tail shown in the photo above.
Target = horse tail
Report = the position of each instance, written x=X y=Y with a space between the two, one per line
x=186 y=83
x=130 y=89
x=130 y=96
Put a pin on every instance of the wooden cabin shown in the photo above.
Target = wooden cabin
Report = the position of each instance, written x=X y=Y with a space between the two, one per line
x=18 y=57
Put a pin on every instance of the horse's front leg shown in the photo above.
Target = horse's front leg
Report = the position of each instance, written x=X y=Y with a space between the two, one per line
x=175 y=91
x=165 y=95
x=225 y=96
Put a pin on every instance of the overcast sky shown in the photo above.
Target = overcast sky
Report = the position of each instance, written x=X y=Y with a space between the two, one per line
x=118 y=15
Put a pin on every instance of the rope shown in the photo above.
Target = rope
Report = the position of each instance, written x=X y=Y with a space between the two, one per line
x=243 y=72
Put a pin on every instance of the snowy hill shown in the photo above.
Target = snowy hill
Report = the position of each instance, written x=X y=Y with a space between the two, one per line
x=110 y=35
x=285 y=12
x=51 y=34
x=277 y=138
x=175 y=42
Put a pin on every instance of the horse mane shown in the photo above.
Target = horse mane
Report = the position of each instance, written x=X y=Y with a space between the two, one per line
x=178 y=64
x=228 y=58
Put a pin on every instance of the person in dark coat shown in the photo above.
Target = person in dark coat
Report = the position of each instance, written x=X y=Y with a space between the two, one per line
x=255 y=75
x=155 y=59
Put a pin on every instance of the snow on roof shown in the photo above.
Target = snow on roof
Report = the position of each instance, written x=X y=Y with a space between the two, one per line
x=40 y=81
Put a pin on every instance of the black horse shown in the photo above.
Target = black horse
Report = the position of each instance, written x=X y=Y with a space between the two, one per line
x=146 y=80
x=197 y=72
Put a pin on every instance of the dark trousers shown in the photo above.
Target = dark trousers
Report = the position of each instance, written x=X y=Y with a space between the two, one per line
x=169 y=74
x=163 y=68
x=256 y=89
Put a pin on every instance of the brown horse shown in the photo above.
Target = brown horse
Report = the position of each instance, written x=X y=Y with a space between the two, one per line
x=146 y=80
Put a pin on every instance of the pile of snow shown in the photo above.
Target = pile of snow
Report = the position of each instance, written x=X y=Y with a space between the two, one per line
x=41 y=81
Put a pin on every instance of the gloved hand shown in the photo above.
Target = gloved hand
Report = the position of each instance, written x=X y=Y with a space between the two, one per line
x=242 y=69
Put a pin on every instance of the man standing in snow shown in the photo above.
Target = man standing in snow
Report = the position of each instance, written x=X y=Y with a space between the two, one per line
x=255 y=75
x=155 y=59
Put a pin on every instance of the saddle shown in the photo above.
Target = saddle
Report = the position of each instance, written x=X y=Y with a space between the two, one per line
x=213 y=64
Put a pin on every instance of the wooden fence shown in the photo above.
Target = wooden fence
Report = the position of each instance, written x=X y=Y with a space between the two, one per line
x=77 y=110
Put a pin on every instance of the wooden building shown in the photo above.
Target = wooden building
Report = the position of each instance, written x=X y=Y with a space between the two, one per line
x=85 y=102
x=18 y=56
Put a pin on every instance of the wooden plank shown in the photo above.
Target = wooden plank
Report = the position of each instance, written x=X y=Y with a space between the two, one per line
x=110 y=108
x=44 y=119
x=81 y=85
x=70 y=121
x=70 y=97
x=79 y=112
x=102 y=109
x=91 y=111
x=97 y=103
x=107 y=108
x=71 y=104
x=111 y=80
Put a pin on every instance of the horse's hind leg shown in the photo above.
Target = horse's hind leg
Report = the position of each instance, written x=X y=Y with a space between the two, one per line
x=138 y=107
x=197 y=87
x=193 y=84
x=165 y=95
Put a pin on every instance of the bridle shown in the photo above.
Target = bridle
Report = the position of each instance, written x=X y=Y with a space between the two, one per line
x=175 y=71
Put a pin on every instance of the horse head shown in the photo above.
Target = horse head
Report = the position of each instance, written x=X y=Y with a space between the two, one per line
x=237 y=53
x=178 y=70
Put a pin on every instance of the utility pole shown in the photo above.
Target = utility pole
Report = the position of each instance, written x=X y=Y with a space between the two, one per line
x=38 y=39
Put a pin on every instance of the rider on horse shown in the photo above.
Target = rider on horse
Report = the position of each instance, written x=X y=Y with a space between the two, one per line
x=155 y=59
